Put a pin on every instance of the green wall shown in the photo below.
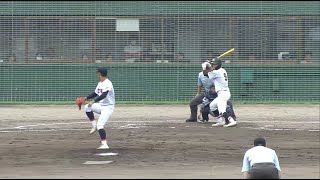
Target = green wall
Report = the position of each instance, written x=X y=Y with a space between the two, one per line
x=157 y=82
x=146 y=8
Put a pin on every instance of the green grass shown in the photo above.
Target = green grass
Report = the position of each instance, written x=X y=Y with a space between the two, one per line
x=150 y=103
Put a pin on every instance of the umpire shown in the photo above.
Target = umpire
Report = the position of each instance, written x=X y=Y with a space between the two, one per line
x=260 y=162
x=203 y=81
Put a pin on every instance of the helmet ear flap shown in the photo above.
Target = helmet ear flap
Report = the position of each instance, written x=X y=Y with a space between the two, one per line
x=218 y=67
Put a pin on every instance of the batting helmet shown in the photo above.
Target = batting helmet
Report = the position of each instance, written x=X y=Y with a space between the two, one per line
x=216 y=61
x=103 y=71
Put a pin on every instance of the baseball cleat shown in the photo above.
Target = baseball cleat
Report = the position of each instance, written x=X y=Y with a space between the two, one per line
x=191 y=120
x=204 y=121
x=103 y=146
x=233 y=123
x=220 y=119
x=218 y=124
x=93 y=130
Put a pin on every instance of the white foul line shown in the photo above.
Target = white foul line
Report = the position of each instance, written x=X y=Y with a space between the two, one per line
x=287 y=122
x=35 y=125
x=280 y=129
x=25 y=127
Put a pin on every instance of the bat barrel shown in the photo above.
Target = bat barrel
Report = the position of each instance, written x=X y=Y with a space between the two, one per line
x=226 y=53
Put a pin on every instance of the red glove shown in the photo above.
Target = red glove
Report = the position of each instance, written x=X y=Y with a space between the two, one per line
x=80 y=101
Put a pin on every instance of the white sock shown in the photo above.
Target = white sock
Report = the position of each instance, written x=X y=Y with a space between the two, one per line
x=231 y=119
x=94 y=123
x=104 y=142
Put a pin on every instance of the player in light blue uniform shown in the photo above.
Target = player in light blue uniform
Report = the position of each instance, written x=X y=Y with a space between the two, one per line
x=203 y=81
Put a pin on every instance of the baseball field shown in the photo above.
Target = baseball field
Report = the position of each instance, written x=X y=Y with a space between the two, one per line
x=153 y=142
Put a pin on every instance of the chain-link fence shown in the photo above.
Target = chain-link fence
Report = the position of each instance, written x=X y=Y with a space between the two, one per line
x=49 y=49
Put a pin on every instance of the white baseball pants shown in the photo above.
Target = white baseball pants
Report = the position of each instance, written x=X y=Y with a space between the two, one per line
x=220 y=102
x=104 y=111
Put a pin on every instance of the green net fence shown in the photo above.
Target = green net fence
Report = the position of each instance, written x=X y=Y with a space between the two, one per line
x=49 y=50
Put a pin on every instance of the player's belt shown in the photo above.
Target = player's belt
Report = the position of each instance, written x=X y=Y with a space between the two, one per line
x=262 y=164
x=106 y=104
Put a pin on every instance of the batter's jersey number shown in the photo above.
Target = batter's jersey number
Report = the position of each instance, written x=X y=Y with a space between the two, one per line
x=225 y=76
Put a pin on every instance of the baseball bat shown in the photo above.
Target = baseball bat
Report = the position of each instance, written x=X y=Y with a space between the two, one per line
x=226 y=53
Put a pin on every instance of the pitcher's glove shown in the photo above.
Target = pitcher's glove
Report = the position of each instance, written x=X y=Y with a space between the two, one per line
x=80 y=101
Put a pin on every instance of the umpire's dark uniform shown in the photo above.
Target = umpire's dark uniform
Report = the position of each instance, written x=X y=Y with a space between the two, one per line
x=203 y=81
x=261 y=162
x=264 y=171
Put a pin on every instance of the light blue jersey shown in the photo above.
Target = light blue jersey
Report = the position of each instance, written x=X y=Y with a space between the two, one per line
x=259 y=154
x=205 y=81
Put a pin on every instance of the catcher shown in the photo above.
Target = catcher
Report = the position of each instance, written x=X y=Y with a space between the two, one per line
x=102 y=103
x=205 y=109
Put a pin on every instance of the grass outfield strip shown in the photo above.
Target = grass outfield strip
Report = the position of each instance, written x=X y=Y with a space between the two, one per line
x=149 y=103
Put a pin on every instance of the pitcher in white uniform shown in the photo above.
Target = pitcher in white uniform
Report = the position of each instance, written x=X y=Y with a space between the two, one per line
x=103 y=103
x=220 y=79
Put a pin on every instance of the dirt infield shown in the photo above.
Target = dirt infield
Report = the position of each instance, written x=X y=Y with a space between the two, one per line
x=154 y=142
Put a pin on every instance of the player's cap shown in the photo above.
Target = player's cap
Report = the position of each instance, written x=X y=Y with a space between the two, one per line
x=103 y=71
x=260 y=141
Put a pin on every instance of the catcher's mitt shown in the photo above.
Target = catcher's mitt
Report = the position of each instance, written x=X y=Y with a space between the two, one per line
x=80 y=101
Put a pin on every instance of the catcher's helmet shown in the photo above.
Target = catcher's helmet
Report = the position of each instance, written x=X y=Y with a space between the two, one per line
x=216 y=61
x=103 y=71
